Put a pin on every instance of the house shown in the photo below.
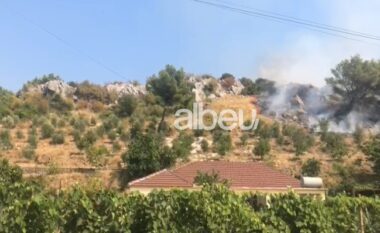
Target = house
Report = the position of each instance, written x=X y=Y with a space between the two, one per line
x=242 y=177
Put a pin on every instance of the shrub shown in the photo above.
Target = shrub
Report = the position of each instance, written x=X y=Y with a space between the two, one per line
x=5 y=140
x=198 y=132
x=222 y=143
x=32 y=138
x=311 y=167
x=250 y=87
x=262 y=147
x=28 y=152
x=116 y=146
x=61 y=123
x=20 y=134
x=204 y=145
x=95 y=155
x=80 y=124
x=47 y=130
x=93 y=121
x=111 y=122
x=244 y=138
x=126 y=105
x=204 y=178
x=210 y=87
x=58 y=138
x=302 y=141
x=335 y=145
x=182 y=145
x=8 y=122
x=87 y=140
x=372 y=149
x=112 y=135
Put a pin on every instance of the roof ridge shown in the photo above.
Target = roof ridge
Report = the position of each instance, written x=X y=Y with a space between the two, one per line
x=147 y=177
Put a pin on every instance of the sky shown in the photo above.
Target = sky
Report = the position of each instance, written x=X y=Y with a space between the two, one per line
x=126 y=40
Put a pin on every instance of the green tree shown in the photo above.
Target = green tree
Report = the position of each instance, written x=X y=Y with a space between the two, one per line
x=146 y=155
x=172 y=90
x=127 y=104
x=311 y=167
x=250 y=87
x=262 y=147
x=357 y=83
x=208 y=178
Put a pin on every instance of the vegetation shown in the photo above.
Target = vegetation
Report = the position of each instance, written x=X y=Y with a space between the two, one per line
x=5 y=140
x=356 y=82
x=311 y=167
x=58 y=138
x=335 y=145
x=26 y=207
x=172 y=90
x=146 y=155
x=222 y=142
x=126 y=105
x=182 y=145
x=262 y=147
x=205 y=178
x=250 y=88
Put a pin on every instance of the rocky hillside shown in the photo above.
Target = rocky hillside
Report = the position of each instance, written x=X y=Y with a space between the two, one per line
x=65 y=133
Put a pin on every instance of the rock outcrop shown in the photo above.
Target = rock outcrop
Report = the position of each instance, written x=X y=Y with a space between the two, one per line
x=208 y=87
x=126 y=89
x=53 y=87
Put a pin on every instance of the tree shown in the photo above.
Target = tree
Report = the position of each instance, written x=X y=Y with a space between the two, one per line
x=250 y=87
x=357 y=83
x=311 y=167
x=182 y=145
x=126 y=105
x=146 y=155
x=205 y=178
x=335 y=145
x=172 y=90
x=262 y=147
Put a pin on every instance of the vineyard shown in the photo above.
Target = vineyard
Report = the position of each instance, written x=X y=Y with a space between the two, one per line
x=25 y=206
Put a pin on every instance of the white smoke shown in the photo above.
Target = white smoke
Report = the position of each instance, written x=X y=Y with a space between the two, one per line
x=308 y=58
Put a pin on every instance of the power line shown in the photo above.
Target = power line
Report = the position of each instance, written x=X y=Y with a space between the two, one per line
x=69 y=45
x=324 y=28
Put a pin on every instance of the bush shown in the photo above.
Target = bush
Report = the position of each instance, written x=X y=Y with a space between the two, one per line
x=222 y=142
x=87 y=140
x=112 y=135
x=80 y=124
x=28 y=152
x=204 y=145
x=5 y=140
x=95 y=155
x=116 y=146
x=302 y=141
x=244 y=138
x=311 y=167
x=335 y=145
x=47 y=130
x=126 y=105
x=58 y=138
x=182 y=145
x=32 y=138
x=8 y=122
x=111 y=122
x=250 y=87
x=372 y=149
x=20 y=134
x=262 y=147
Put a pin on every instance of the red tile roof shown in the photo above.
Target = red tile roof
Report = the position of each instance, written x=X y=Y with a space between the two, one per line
x=239 y=174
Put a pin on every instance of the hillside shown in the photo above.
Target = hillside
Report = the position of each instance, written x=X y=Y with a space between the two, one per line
x=67 y=133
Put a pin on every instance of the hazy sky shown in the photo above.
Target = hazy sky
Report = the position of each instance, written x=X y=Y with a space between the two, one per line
x=137 y=38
